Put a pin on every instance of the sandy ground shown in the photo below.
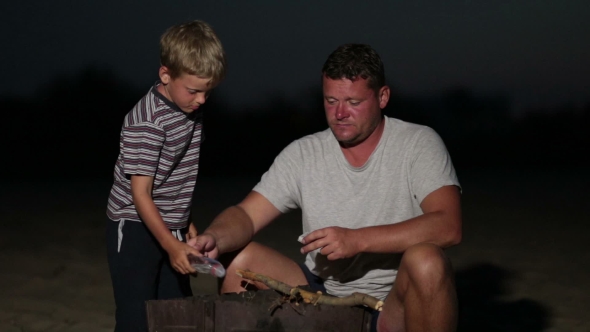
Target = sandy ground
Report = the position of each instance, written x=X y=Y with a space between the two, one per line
x=523 y=264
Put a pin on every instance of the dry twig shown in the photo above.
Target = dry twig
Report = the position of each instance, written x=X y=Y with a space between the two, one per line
x=313 y=298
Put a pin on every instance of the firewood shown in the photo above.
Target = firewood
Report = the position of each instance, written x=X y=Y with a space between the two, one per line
x=296 y=293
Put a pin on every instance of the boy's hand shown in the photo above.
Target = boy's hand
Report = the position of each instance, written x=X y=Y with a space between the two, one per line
x=178 y=253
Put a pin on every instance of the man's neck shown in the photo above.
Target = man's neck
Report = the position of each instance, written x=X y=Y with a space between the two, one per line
x=358 y=155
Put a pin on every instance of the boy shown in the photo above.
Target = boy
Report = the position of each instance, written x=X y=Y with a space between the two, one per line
x=155 y=174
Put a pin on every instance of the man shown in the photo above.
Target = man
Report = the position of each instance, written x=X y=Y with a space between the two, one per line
x=379 y=200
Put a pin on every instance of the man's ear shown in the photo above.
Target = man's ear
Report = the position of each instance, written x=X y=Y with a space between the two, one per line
x=384 y=94
x=164 y=74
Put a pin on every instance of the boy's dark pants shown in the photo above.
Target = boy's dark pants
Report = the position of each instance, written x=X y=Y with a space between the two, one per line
x=140 y=271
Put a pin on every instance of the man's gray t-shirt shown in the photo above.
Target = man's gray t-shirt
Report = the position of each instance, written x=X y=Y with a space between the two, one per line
x=311 y=173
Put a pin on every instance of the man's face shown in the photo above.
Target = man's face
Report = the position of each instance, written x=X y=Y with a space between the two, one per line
x=353 y=110
x=188 y=92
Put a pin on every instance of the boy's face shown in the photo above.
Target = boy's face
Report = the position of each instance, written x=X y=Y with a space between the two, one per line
x=188 y=92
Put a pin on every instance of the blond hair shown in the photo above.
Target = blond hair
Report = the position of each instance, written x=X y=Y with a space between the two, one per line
x=193 y=48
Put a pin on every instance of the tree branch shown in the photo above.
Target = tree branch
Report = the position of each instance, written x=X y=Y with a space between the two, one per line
x=313 y=298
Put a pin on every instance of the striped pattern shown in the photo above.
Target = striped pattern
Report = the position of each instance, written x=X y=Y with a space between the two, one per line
x=159 y=140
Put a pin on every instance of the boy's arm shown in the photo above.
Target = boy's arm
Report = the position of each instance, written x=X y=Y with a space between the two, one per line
x=192 y=231
x=141 y=191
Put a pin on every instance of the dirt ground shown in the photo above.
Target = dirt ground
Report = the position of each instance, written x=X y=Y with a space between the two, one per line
x=522 y=265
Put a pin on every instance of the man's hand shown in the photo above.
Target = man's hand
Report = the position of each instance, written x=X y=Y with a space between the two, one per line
x=333 y=242
x=205 y=244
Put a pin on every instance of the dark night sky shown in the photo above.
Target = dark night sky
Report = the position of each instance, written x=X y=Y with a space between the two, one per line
x=536 y=51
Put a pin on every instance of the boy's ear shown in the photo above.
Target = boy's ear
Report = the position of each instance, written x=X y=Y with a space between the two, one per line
x=164 y=74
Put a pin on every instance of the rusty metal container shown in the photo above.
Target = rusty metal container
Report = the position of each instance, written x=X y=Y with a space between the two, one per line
x=251 y=311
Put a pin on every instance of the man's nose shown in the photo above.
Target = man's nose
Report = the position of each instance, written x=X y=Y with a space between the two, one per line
x=341 y=112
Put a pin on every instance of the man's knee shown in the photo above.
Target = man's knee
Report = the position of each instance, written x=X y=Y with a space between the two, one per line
x=242 y=258
x=263 y=260
x=425 y=262
x=247 y=258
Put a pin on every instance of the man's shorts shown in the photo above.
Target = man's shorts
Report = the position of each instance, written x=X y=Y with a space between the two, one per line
x=317 y=284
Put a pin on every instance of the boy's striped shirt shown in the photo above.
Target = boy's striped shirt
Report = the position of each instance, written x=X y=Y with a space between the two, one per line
x=158 y=140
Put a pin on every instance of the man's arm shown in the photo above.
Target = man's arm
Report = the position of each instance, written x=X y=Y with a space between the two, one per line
x=141 y=191
x=441 y=224
x=234 y=228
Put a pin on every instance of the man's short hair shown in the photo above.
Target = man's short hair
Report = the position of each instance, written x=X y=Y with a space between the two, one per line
x=354 y=61
x=193 y=48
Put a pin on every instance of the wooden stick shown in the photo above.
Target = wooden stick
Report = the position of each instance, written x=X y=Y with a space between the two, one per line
x=314 y=298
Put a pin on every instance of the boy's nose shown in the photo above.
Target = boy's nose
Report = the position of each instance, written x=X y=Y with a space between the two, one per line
x=200 y=98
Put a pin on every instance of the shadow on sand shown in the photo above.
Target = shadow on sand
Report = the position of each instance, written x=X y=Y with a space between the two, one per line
x=481 y=290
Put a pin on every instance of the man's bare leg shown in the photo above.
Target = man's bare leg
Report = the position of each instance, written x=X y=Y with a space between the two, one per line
x=423 y=297
x=263 y=260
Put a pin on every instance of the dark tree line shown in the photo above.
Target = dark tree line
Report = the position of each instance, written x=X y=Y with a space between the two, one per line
x=70 y=129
